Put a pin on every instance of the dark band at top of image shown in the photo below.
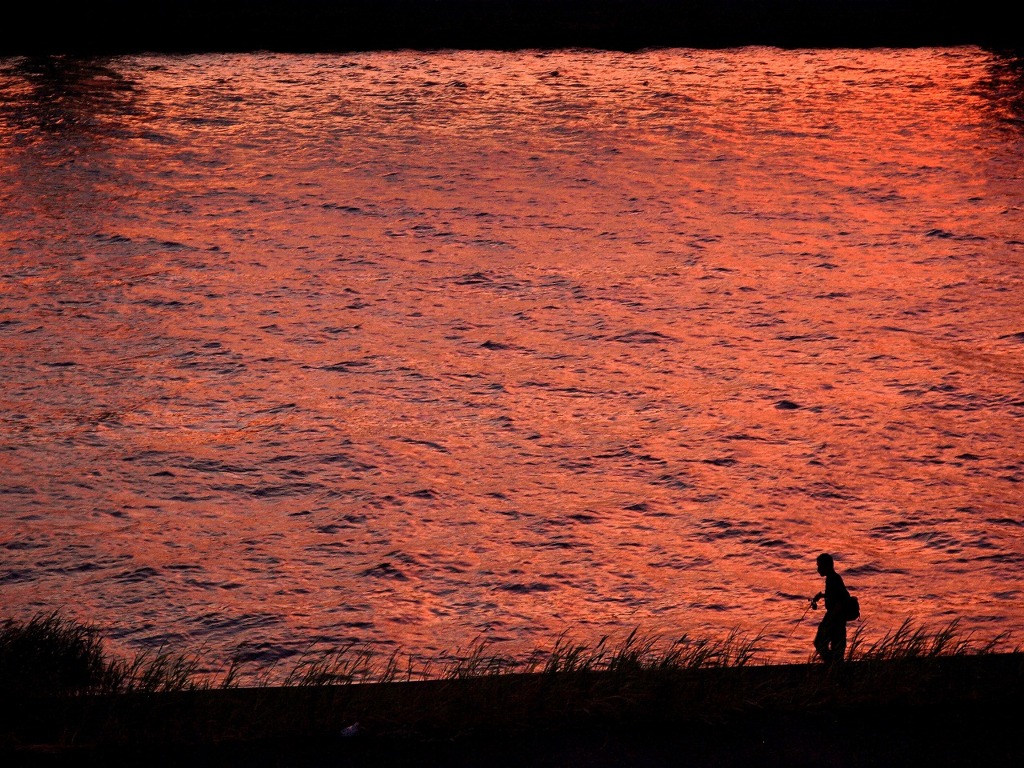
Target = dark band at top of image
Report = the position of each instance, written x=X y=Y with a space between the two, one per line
x=119 y=26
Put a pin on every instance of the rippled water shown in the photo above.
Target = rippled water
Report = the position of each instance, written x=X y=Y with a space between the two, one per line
x=409 y=348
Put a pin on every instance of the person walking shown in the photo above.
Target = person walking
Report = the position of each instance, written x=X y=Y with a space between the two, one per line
x=830 y=640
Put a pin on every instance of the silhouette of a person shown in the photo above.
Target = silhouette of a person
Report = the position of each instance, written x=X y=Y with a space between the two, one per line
x=830 y=641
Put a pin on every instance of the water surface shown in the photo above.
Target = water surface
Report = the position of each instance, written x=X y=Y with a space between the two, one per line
x=411 y=348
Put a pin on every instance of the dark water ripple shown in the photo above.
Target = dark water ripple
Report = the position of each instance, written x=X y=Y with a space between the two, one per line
x=404 y=348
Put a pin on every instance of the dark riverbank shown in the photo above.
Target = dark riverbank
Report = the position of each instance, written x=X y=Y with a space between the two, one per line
x=117 y=26
x=928 y=711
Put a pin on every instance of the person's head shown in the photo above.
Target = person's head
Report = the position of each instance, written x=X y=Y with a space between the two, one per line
x=825 y=564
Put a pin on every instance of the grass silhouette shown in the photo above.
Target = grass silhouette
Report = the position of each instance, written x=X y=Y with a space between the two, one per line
x=910 y=641
x=54 y=654
x=61 y=692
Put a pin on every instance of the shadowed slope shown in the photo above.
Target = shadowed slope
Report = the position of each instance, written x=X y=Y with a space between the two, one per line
x=913 y=698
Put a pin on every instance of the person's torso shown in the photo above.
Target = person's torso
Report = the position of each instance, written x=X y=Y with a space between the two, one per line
x=835 y=592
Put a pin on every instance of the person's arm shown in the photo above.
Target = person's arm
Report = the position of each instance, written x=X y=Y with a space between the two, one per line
x=815 y=599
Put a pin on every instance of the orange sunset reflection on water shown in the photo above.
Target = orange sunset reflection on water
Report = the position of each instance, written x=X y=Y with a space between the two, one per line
x=413 y=348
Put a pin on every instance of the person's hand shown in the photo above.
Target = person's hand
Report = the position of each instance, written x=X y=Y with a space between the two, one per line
x=814 y=603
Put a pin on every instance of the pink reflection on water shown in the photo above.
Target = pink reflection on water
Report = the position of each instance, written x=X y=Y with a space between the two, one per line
x=406 y=348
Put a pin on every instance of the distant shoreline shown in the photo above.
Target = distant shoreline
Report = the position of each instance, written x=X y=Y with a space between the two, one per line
x=191 y=26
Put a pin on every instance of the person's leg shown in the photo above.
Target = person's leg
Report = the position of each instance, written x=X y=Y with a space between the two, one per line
x=821 y=640
x=839 y=641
